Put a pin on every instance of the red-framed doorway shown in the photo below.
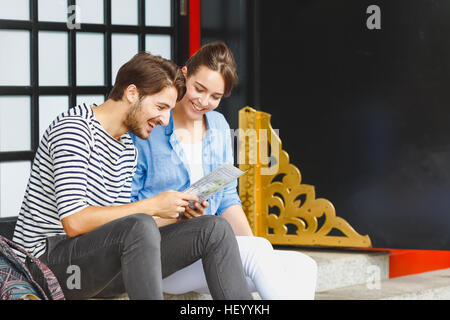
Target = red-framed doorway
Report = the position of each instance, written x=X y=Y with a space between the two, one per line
x=194 y=26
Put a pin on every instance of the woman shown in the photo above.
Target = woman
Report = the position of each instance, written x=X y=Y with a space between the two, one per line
x=196 y=141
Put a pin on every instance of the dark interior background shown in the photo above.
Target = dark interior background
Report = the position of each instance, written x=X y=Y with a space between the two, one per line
x=362 y=113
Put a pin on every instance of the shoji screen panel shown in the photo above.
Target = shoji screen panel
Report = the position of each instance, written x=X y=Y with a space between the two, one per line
x=56 y=54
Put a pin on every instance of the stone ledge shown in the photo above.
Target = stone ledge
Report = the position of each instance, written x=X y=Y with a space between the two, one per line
x=434 y=285
x=339 y=268
x=186 y=296
x=197 y=296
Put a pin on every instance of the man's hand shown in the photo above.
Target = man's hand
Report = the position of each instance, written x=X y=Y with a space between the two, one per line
x=169 y=204
x=199 y=209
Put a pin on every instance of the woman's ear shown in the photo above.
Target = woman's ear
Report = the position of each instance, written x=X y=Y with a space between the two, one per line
x=184 y=70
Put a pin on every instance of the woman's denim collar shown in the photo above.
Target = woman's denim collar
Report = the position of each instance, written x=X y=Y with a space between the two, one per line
x=169 y=127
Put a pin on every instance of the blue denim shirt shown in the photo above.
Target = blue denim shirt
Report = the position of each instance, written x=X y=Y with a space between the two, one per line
x=162 y=163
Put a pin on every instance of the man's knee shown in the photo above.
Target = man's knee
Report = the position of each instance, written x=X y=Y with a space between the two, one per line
x=143 y=227
x=219 y=227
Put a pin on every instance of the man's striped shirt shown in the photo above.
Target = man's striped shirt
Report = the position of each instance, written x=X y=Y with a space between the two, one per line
x=77 y=164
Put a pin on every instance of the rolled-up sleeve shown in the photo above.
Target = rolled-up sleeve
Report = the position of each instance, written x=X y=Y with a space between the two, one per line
x=230 y=198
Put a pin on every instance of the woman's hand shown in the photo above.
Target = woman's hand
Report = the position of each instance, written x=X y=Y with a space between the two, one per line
x=199 y=210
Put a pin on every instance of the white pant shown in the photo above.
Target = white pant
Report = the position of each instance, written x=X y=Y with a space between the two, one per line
x=274 y=274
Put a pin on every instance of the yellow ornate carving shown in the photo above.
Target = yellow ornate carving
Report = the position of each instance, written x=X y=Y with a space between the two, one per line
x=273 y=197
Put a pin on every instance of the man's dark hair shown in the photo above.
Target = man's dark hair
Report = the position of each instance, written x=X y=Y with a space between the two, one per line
x=150 y=74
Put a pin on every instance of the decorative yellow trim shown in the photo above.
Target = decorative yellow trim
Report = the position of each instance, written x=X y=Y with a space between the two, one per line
x=273 y=184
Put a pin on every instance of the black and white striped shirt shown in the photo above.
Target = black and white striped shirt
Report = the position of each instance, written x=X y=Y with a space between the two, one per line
x=78 y=164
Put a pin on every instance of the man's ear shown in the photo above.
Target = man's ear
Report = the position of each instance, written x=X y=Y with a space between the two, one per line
x=131 y=94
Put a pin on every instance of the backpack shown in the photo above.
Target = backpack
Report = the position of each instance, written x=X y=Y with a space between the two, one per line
x=16 y=281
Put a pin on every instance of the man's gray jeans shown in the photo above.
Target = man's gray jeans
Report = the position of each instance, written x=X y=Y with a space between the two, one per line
x=133 y=255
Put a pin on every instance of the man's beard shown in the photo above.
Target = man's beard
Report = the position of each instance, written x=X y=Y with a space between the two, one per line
x=132 y=120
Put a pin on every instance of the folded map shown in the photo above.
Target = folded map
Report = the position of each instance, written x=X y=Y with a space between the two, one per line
x=213 y=182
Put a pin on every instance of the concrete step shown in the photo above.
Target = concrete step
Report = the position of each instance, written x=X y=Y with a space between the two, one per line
x=197 y=296
x=434 y=285
x=336 y=268
x=339 y=268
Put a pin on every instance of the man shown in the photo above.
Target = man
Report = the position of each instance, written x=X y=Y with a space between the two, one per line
x=76 y=214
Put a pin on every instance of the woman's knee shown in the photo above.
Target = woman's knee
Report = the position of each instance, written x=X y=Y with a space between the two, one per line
x=262 y=244
x=301 y=261
x=308 y=262
x=254 y=245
